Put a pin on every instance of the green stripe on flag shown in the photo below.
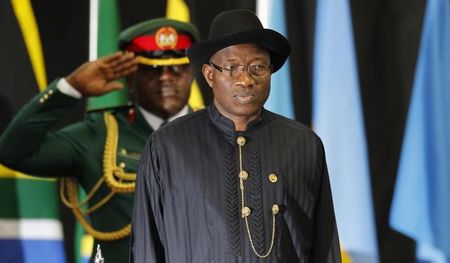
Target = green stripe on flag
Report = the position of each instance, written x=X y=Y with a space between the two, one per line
x=108 y=32
x=28 y=198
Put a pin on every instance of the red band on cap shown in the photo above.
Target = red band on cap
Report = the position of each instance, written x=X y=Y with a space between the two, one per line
x=148 y=43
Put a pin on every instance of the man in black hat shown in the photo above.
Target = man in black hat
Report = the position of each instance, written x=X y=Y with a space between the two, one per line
x=235 y=182
x=102 y=152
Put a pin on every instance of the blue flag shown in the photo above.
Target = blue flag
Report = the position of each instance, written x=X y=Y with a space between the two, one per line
x=421 y=207
x=280 y=99
x=338 y=120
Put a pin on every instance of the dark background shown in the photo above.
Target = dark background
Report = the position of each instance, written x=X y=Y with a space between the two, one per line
x=387 y=34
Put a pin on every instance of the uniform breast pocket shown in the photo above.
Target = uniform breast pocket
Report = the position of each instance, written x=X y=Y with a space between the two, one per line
x=128 y=160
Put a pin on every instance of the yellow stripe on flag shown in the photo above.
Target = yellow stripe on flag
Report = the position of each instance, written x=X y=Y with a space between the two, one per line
x=27 y=22
x=345 y=257
x=87 y=244
x=178 y=10
x=196 y=99
x=5 y=172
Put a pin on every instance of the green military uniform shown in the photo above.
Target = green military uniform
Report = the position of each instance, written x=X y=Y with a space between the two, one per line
x=77 y=151
x=102 y=152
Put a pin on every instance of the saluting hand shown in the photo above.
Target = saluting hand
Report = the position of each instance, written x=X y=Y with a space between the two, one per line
x=98 y=77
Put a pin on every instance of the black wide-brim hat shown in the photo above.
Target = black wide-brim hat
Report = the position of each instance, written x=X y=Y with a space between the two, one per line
x=239 y=27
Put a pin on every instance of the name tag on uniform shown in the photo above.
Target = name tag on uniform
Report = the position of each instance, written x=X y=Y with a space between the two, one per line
x=124 y=153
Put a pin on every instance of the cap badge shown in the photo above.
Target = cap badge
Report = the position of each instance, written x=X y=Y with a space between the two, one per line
x=166 y=37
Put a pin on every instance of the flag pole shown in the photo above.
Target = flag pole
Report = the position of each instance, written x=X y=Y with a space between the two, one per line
x=93 y=29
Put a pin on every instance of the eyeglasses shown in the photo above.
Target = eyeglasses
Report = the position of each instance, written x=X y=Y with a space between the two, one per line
x=256 y=70
x=157 y=70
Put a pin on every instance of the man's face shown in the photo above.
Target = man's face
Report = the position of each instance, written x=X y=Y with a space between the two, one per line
x=162 y=90
x=243 y=94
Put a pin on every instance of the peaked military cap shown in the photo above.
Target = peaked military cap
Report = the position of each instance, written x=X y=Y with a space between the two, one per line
x=159 y=41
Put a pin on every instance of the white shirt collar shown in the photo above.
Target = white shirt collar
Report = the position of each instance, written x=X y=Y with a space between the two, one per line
x=155 y=121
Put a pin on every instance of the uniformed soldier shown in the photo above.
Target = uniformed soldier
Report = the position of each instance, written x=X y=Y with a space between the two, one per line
x=101 y=153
